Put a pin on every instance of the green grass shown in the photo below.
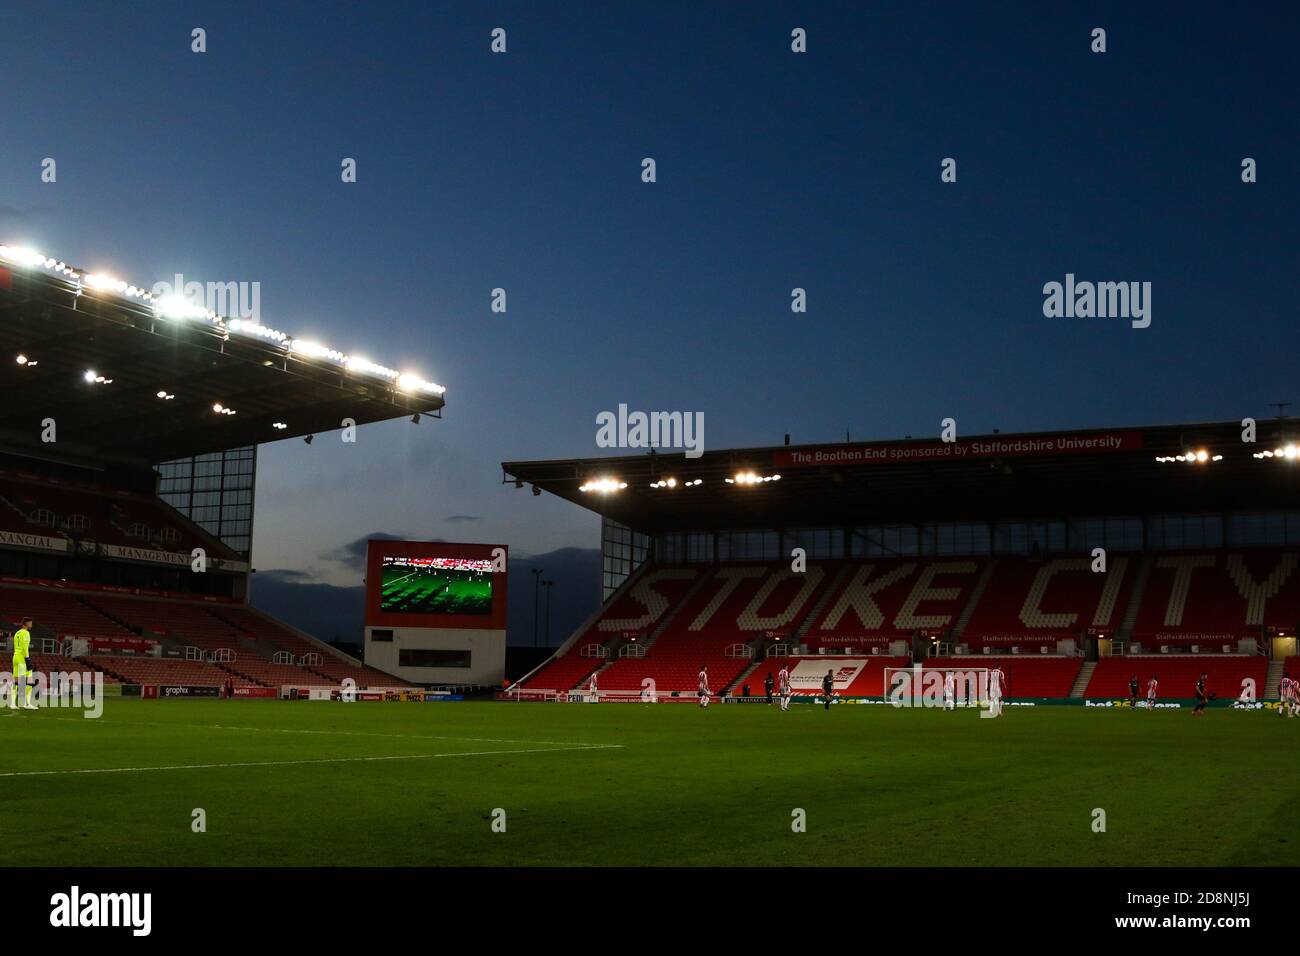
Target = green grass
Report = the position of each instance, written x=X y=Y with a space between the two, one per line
x=879 y=786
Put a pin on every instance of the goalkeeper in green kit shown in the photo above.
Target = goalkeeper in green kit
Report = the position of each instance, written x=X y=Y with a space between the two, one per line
x=22 y=647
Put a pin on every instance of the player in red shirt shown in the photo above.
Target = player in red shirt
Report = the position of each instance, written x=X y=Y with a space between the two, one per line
x=783 y=686
x=1151 y=692
x=704 y=687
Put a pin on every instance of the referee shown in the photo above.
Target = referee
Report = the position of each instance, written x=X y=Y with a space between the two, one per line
x=828 y=688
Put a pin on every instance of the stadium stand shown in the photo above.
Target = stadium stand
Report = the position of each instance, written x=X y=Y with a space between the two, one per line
x=179 y=622
x=1177 y=674
x=1027 y=676
x=1217 y=598
x=57 y=613
x=77 y=510
x=183 y=622
x=269 y=674
x=884 y=600
x=1036 y=603
x=145 y=670
x=634 y=613
x=737 y=605
x=1026 y=603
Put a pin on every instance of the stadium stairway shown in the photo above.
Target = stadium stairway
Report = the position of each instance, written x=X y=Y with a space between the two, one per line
x=247 y=640
x=744 y=676
x=1273 y=681
x=760 y=644
x=671 y=616
x=655 y=632
x=1081 y=682
x=977 y=592
x=658 y=630
x=831 y=592
x=1129 y=620
x=111 y=617
x=566 y=665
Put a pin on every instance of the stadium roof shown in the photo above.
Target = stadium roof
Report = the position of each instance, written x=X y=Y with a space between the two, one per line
x=131 y=377
x=1042 y=475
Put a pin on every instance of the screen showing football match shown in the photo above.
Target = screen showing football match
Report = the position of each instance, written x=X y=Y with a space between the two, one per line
x=436 y=586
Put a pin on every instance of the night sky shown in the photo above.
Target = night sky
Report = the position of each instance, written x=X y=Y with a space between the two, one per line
x=775 y=170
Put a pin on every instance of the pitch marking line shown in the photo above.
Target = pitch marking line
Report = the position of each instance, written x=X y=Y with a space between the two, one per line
x=316 y=760
x=570 y=744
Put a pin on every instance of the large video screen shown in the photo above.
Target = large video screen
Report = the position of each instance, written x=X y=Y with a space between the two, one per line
x=460 y=586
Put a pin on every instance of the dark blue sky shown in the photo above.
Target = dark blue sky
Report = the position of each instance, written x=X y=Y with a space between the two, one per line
x=775 y=170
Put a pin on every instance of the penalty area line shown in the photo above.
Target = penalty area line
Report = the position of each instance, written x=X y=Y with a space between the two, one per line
x=313 y=760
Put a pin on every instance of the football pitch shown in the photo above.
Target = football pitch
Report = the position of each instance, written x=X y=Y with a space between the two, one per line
x=282 y=783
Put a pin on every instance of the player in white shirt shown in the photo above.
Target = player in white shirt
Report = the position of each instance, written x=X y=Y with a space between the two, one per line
x=1152 y=684
x=997 y=681
x=704 y=687
x=783 y=687
x=1289 y=696
x=949 y=691
x=592 y=695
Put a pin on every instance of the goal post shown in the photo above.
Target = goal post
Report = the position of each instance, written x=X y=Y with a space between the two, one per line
x=918 y=686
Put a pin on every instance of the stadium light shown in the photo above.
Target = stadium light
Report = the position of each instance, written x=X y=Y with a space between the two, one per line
x=30 y=258
x=413 y=383
x=92 y=377
x=25 y=362
x=1200 y=456
x=165 y=395
x=673 y=483
x=1287 y=452
x=279 y=426
x=603 y=485
x=23 y=256
x=265 y=333
x=750 y=478
x=101 y=282
x=173 y=306
x=222 y=409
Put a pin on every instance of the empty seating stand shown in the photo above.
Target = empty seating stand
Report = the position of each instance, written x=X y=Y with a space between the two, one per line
x=1035 y=603
x=637 y=611
x=56 y=507
x=881 y=600
x=1027 y=676
x=736 y=605
x=179 y=622
x=1177 y=674
x=1217 y=598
